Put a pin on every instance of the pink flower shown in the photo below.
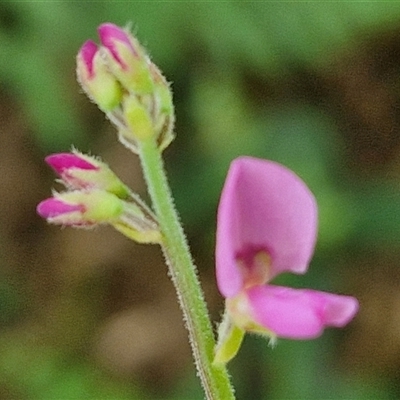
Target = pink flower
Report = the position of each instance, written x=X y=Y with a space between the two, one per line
x=267 y=225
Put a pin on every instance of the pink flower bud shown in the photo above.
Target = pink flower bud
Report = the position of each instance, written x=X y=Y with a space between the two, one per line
x=81 y=209
x=121 y=79
x=57 y=211
x=79 y=171
x=110 y=36
x=63 y=162
x=86 y=57
x=95 y=78
x=126 y=59
x=52 y=208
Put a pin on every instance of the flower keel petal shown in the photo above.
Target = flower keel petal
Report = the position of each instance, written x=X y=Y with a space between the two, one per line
x=299 y=313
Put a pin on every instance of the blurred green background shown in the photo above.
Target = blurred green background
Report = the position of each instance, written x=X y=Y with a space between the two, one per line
x=316 y=86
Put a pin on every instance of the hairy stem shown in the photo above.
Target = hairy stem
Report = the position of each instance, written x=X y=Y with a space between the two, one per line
x=214 y=378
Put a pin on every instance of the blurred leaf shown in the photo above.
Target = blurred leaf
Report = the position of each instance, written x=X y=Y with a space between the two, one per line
x=44 y=373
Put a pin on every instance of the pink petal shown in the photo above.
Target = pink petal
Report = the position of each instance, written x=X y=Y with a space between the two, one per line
x=63 y=161
x=263 y=206
x=299 y=313
x=109 y=34
x=52 y=207
x=86 y=54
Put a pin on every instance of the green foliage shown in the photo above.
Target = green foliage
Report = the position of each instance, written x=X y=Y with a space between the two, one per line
x=40 y=372
x=39 y=41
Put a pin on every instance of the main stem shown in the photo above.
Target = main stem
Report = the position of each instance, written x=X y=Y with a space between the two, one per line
x=215 y=379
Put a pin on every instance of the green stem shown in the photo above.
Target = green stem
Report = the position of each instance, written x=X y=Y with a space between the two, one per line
x=214 y=378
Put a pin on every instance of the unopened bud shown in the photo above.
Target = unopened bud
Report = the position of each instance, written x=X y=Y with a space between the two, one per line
x=95 y=78
x=81 y=209
x=120 y=77
x=126 y=59
x=79 y=171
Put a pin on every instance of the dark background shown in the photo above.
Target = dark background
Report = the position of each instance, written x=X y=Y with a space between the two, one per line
x=316 y=86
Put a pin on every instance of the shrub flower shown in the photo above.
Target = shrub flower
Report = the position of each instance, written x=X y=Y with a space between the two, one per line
x=267 y=225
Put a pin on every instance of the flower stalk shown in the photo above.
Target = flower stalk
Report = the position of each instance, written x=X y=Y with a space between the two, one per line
x=214 y=378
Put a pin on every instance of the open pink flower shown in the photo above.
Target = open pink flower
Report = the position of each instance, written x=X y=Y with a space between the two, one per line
x=267 y=224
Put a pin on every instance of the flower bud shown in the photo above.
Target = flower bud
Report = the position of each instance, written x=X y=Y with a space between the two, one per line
x=81 y=209
x=130 y=89
x=126 y=59
x=96 y=80
x=79 y=171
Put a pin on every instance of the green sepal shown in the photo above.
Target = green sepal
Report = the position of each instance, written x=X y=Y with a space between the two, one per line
x=147 y=236
x=230 y=338
x=137 y=119
x=101 y=206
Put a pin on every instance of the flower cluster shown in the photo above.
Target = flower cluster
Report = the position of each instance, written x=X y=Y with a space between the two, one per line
x=121 y=79
x=96 y=196
x=267 y=225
